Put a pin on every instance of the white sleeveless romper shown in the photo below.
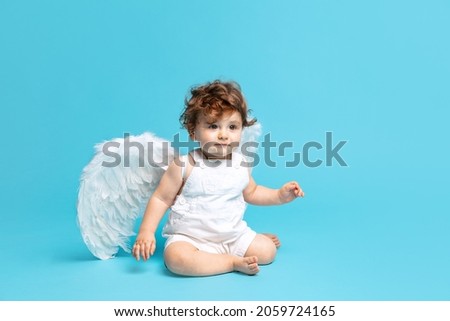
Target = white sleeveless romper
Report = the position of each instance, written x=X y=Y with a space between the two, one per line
x=208 y=213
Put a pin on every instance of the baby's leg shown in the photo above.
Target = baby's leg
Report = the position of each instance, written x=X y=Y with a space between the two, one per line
x=185 y=259
x=263 y=247
x=274 y=239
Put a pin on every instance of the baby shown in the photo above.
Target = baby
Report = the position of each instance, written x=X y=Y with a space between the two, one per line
x=207 y=191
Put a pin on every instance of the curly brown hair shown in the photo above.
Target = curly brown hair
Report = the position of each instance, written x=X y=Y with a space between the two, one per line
x=213 y=100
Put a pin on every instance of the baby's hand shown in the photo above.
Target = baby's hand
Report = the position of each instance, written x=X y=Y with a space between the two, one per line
x=144 y=246
x=289 y=192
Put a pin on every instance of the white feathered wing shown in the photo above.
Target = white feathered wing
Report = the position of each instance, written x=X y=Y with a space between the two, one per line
x=115 y=187
x=116 y=184
x=249 y=141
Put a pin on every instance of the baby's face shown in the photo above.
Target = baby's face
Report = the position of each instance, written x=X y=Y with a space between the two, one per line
x=219 y=138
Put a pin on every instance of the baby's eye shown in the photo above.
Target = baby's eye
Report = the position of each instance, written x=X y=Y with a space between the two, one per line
x=234 y=127
x=212 y=126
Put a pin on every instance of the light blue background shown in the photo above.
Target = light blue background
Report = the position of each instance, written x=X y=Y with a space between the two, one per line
x=375 y=73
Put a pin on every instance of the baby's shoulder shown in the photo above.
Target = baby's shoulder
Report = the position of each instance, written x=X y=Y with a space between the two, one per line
x=182 y=165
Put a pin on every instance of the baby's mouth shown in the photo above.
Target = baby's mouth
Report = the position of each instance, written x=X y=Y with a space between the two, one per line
x=219 y=148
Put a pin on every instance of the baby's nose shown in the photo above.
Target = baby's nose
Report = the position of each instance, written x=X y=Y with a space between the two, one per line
x=222 y=135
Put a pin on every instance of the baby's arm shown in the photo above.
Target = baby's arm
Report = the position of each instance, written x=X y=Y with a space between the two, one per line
x=261 y=195
x=157 y=206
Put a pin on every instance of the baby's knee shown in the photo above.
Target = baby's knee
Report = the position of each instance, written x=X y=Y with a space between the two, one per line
x=177 y=257
x=175 y=260
x=268 y=255
x=263 y=248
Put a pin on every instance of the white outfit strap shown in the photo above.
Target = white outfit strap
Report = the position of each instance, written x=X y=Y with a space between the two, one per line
x=183 y=160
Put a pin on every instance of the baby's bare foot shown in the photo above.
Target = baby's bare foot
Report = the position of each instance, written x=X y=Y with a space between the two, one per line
x=274 y=239
x=247 y=265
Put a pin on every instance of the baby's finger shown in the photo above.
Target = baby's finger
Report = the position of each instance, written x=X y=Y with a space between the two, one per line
x=147 y=248
x=301 y=193
x=136 y=251
x=289 y=187
x=298 y=190
x=142 y=251
x=293 y=186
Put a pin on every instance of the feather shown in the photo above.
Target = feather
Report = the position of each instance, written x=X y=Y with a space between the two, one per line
x=111 y=198
x=249 y=144
x=251 y=134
